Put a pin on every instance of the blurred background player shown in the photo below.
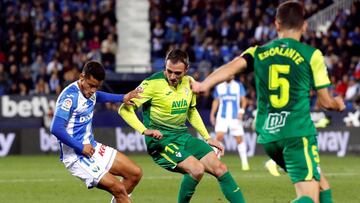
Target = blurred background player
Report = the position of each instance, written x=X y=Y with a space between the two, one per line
x=285 y=72
x=229 y=105
x=168 y=102
x=94 y=163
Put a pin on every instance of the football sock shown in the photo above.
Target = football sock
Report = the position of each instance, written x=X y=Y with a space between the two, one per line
x=187 y=188
x=303 y=199
x=325 y=196
x=230 y=189
x=243 y=156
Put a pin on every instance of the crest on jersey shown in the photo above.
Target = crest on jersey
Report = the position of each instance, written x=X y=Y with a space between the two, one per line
x=186 y=91
x=67 y=104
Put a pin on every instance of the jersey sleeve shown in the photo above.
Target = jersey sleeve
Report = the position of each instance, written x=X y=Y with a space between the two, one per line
x=195 y=120
x=249 y=55
x=146 y=95
x=65 y=105
x=319 y=71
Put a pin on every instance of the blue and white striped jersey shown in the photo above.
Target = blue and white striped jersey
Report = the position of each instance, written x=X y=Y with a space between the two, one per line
x=78 y=111
x=229 y=95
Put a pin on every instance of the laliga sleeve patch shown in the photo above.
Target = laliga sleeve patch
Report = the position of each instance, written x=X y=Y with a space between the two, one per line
x=67 y=103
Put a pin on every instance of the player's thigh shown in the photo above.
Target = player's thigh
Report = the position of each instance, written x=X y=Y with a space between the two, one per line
x=235 y=127
x=170 y=154
x=110 y=183
x=197 y=147
x=221 y=125
x=91 y=169
x=301 y=158
x=124 y=166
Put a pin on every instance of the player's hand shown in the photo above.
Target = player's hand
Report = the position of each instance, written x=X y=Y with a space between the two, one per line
x=197 y=87
x=132 y=94
x=153 y=133
x=212 y=120
x=88 y=150
x=215 y=143
x=340 y=103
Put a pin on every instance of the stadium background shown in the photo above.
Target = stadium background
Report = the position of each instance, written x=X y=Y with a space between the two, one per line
x=45 y=44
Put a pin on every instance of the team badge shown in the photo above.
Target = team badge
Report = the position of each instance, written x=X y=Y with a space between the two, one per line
x=178 y=154
x=67 y=104
x=186 y=91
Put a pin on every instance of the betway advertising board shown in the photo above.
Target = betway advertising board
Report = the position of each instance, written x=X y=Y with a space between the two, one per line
x=336 y=141
x=22 y=131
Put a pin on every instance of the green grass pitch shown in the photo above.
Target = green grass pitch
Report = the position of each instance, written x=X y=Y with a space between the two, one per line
x=41 y=179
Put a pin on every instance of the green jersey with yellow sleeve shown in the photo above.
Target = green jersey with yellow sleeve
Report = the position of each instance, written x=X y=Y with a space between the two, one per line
x=285 y=72
x=164 y=107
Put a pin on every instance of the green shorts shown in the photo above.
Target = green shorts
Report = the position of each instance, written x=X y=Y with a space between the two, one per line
x=175 y=148
x=298 y=156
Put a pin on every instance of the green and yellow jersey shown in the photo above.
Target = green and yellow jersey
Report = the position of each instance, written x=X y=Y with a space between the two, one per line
x=164 y=107
x=285 y=71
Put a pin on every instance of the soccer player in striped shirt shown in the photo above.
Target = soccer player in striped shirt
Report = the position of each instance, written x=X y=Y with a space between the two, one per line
x=97 y=165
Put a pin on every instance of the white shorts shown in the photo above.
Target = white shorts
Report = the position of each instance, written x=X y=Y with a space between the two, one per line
x=234 y=126
x=91 y=170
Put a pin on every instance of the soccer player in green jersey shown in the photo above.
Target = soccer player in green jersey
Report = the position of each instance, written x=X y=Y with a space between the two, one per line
x=285 y=71
x=167 y=103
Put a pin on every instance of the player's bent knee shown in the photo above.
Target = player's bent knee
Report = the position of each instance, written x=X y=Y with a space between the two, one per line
x=138 y=173
x=118 y=190
x=220 y=170
x=197 y=171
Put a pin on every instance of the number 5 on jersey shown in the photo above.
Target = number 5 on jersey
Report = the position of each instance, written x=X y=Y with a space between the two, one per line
x=276 y=81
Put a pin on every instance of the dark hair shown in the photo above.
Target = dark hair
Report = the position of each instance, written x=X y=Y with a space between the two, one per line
x=177 y=55
x=95 y=69
x=290 y=15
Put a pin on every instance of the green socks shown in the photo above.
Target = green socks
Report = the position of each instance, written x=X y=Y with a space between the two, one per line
x=187 y=188
x=325 y=196
x=303 y=199
x=230 y=189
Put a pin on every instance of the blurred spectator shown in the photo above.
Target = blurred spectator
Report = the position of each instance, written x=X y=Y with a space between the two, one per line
x=52 y=34
x=108 y=51
x=41 y=87
x=54 y=65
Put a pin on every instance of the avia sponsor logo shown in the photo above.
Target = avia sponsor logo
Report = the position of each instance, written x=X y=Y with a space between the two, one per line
x=179 y=107
x=334 y=141
x=6 y=141
x=25 y=107
x=133 y=141
x=48 y=142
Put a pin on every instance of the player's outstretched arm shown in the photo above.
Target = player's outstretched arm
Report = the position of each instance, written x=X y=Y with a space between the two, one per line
x=103 y=97
x=326 y=101
x=128 y=114
x=220 y=75
x=132 y=94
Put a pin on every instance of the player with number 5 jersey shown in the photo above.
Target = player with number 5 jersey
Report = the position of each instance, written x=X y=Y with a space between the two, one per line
x=285 y=72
